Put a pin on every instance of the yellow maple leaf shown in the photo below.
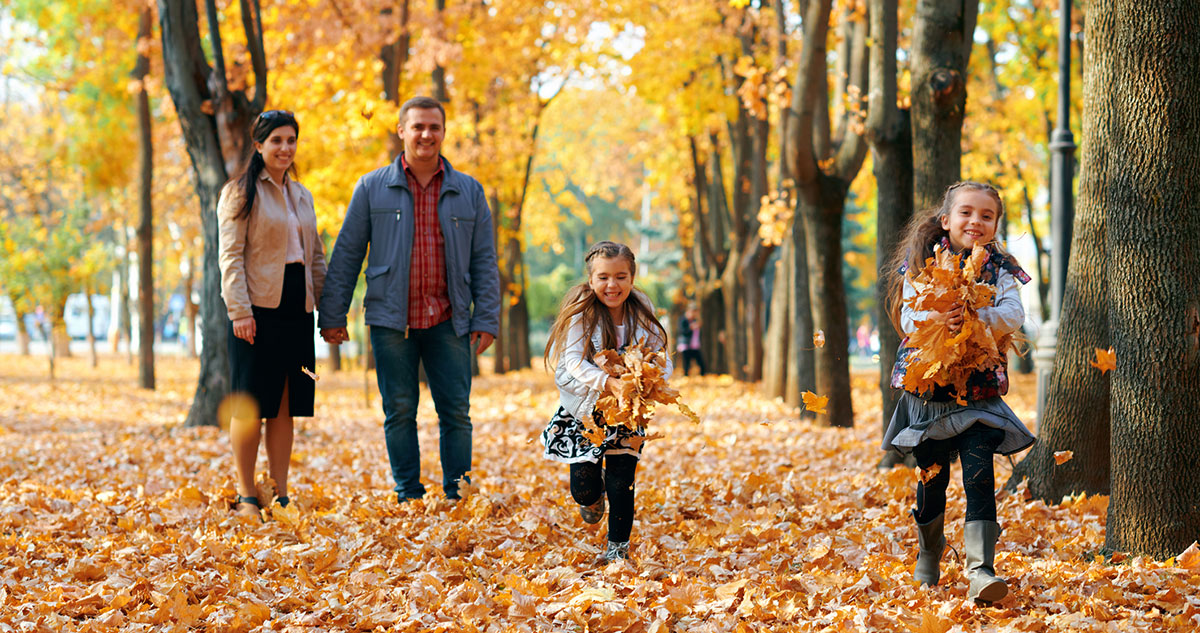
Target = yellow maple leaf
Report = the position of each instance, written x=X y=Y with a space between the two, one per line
x=813 y=402
x=1106 y=359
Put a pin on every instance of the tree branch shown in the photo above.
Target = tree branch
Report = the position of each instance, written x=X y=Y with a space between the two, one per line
x=252 y=25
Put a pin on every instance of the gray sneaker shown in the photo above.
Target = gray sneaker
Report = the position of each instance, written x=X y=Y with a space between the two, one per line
x=616 y=551
x=593 y=513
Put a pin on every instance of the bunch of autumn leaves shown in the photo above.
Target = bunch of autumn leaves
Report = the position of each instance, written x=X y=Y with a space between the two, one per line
x=942 y=357
x=640 y=385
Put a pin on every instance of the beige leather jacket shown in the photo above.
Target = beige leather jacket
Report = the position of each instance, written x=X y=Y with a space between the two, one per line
x=252 y=249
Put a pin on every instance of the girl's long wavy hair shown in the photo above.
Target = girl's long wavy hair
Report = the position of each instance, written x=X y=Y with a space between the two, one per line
x=251 y=166
x=921 y=234
x=581 y=301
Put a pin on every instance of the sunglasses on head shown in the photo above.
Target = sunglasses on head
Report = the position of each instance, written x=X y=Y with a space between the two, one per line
x=277 y=114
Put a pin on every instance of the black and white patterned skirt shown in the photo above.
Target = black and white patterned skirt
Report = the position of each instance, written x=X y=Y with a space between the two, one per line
x=564 y=440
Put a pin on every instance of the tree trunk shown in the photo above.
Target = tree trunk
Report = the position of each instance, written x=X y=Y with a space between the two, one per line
x=890 y=135
x=941 y=48
x=145 y=231
x=439 y=72
x=1154 y=283
x=93 y=360
x=191 y=311
x=802 y=358
x=22 y=331
x=215 y=124
x=775 y=350
x=827 y=293
x=1077 y=410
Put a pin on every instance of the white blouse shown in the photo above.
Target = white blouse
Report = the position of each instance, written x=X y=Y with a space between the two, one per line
x=586 y=371
x=1006 y=315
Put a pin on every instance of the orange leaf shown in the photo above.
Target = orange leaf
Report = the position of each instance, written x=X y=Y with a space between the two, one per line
x=813 y=402
x=927 y=474
x=1190 y=558
x=819 y=338
x=1062 y=457
x=1106 y=359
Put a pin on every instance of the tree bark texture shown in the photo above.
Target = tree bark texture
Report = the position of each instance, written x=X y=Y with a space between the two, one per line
x=1154 y=272
x=823 y=165
x=215 y=125
x=890 y=134
x=145 y=230
x=775 y=357
x=941 y=48
x=1077 y=410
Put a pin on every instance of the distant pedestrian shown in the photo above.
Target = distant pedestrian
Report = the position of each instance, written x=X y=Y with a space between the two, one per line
x=272 y=271
x=687 y=341
x=933 y=426
x=603 y=313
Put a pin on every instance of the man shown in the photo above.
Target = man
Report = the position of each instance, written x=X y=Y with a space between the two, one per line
x=431 y=256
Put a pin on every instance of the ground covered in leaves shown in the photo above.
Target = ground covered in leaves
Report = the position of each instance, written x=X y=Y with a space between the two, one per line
x=114 y=517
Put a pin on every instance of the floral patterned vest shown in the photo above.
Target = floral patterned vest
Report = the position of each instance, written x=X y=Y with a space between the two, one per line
x=983 y=383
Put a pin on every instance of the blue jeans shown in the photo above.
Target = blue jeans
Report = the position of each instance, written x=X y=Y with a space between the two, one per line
x=447 y=359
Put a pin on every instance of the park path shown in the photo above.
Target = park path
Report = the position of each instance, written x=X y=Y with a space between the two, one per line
x=113 y=517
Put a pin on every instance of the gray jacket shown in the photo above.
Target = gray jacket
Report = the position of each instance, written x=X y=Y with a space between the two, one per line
x=381 y=215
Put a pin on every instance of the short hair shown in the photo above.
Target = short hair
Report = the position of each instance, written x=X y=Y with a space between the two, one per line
x=421 y=103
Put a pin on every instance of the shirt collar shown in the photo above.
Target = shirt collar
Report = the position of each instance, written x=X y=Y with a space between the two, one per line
x=408 y=170
x=266 y=175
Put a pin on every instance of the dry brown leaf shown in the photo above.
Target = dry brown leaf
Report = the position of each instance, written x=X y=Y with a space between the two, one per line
x=639 y=387
x=942 y=357
x=819 y=339
x=927 y=474
x=1062 y=457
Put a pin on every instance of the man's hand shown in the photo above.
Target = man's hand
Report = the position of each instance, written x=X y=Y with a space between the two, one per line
x=335 y=335
x=483 y=339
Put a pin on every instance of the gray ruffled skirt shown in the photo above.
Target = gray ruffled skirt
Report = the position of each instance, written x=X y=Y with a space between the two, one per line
x=916 y=420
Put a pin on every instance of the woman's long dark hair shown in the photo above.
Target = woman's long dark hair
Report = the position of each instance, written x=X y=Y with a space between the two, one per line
x=252 y=163
x=580 y=300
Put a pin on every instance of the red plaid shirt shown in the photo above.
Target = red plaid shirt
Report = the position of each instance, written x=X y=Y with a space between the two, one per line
x=428 y=296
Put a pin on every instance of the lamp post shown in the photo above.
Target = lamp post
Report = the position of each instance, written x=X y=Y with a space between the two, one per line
x=1062 y=210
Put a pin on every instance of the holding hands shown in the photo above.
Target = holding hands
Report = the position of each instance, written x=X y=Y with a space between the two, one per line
x=335 y=335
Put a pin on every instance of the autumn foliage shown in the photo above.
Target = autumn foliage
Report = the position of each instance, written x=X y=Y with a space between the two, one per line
x=943 y=357
x=115 y=517
x=641 y=385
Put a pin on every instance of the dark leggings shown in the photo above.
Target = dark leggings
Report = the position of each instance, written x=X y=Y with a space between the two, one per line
x=975 y=447
x=587 y=485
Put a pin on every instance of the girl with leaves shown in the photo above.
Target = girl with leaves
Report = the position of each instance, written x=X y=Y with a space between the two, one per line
x=603 y=313
x=935 y=424
x=272 y=271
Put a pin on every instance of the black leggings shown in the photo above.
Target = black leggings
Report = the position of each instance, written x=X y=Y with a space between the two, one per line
x=975 y=447
x=587 y=485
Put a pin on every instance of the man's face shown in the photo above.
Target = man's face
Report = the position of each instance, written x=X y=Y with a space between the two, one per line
x=422 y=131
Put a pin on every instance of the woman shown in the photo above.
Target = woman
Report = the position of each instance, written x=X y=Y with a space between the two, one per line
x=272 y=270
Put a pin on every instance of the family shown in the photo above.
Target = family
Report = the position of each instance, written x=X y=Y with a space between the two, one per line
x=433 y=298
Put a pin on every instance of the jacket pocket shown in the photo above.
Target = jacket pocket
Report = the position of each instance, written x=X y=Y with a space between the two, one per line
x=375 y=285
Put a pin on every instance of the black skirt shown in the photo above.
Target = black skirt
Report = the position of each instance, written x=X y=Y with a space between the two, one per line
x=283 y=343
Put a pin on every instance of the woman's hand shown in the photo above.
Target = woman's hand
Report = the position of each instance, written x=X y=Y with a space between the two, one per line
x=953 y=318
x=244 y=329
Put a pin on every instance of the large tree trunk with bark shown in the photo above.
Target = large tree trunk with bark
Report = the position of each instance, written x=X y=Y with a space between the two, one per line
x=215 y=123
x=1154 y=276
x=941 y=48
x=823 y=160
x=145 y=231
x=890 y=135
x=827 y=294
x=1077 y=409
